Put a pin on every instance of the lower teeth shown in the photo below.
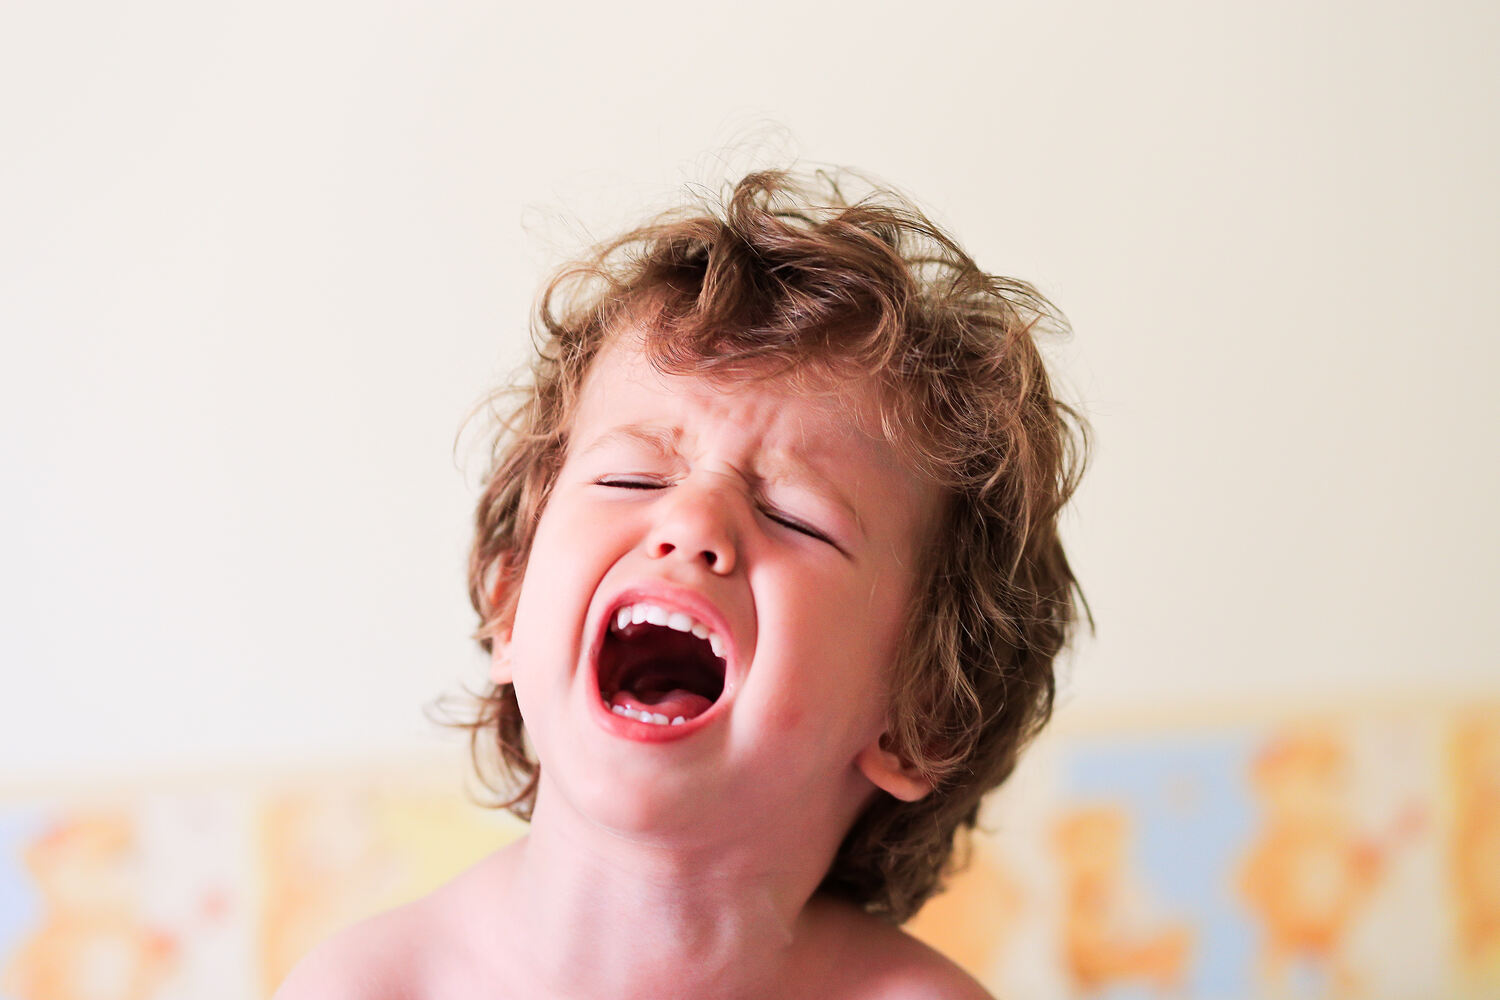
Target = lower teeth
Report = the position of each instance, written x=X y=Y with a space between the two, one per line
x=651 y=718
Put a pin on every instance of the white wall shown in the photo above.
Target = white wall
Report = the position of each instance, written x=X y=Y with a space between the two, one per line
x=258 y=260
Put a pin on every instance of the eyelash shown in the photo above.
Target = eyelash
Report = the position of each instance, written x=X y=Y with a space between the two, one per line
x=798 y=526
x=790 y=524
x=629 y=484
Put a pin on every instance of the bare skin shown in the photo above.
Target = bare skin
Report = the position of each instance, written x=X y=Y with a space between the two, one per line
x=479 y=937
x=684 y=862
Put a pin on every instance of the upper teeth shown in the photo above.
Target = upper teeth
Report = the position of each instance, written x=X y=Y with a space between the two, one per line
x=680 y=621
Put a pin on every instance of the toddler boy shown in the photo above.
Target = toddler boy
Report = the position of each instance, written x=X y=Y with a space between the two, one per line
x=769 y=572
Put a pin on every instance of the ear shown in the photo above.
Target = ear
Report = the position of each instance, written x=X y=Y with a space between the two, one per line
x=890 y=773
x=500 y=664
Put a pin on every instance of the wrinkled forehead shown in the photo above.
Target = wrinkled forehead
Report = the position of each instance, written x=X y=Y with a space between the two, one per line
x=862 y=402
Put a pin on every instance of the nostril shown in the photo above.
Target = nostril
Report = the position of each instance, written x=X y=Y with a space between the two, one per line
x=710 y=557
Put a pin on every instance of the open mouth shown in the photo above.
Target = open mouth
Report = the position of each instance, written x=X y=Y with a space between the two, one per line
x=658 y=666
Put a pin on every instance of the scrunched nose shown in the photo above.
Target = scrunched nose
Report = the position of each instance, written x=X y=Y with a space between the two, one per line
x=696 y=524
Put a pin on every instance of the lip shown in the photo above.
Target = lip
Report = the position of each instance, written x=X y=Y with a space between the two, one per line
x=676 y=599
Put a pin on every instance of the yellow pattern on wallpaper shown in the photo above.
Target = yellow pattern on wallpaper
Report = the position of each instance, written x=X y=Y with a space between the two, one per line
x=1355 y=856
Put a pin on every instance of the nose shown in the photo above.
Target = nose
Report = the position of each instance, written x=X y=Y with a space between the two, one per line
x=697 y=522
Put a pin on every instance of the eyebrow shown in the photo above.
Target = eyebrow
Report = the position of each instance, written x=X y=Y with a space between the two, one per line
x=779 y=466
x=659 y=439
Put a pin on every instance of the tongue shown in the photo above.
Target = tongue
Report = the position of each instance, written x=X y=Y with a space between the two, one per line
x=673 y=703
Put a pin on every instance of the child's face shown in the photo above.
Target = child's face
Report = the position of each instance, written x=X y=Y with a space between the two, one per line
x=779 y=537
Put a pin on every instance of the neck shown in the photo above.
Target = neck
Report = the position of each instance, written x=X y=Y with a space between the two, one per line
x=593 y=912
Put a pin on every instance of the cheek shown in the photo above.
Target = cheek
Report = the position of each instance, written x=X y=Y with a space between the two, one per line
x=883 y=607
x=567 y=545
x=788 y=717
x=842 y=649
x=873 y=636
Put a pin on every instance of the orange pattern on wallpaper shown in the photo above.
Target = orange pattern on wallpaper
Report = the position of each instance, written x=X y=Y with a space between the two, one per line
x=91 y=942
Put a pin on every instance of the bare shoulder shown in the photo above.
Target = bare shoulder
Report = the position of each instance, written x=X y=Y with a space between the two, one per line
x=423 y=950
x=890 y=964
x=371 y=960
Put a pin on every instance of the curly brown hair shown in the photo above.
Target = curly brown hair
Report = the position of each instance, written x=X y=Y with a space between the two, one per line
x=790 y=275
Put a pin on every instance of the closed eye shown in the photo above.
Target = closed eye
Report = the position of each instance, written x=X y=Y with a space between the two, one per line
x=630 y=483
x=775 y=516
x=800 y=527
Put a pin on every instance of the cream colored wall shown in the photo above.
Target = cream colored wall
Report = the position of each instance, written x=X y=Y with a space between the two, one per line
x=258 y=260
